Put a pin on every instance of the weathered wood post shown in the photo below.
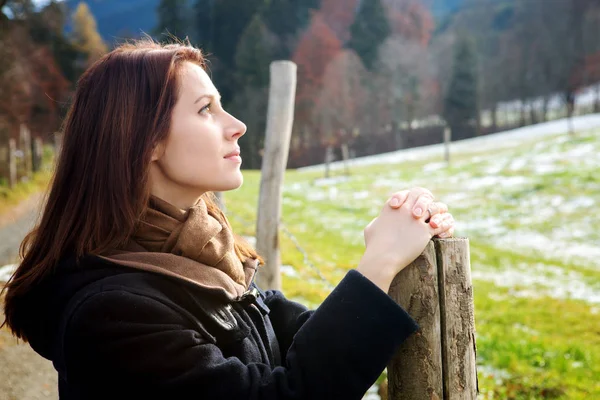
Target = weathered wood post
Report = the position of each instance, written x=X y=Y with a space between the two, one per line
x=345 y=157
x=328 y=159
x=447 y=140
x=438 y=362
x=37 y=153
x=25 y=147
x=280 y=117
x=8 y=162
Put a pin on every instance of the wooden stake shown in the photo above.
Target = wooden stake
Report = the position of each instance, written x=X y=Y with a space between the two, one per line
x=280 y=119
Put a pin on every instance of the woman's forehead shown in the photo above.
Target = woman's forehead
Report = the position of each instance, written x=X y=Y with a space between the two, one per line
x=194 y=76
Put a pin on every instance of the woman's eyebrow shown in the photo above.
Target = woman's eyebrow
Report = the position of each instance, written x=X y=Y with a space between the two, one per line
x=209 y=96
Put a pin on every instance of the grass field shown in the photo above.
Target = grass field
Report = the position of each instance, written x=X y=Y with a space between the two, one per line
x=529 y=210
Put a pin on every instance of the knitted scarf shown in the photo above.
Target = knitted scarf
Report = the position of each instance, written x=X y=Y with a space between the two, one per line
x=195 y=245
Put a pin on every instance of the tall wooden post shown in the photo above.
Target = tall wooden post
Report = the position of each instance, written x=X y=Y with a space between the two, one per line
x=37 y=153
x=345 y=157
x=438 y=362
x=415 y=372
x=280 y=119
x=25 y=147
x=447 y=140
x=12 y=163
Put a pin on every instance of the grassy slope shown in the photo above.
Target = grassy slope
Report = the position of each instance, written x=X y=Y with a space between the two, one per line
x=537 y=311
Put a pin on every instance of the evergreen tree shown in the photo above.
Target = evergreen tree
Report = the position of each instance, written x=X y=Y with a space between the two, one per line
x=172 y=18
x=370 y=28
x=253 y=55
x=252 y=59
x=204 y=24
x=461 y=103
x=86 y=38
x=286 y=18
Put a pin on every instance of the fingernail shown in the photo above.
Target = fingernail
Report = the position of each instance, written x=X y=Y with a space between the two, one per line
x=395 y=202
x=434 y=223
x=418 y=212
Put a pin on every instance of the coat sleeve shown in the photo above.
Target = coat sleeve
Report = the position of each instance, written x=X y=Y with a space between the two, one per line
x=286 y=317
x=143 y=347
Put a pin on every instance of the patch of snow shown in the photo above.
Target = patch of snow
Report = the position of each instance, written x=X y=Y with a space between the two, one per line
x=288 y=270
x=540 y=280
x=565 y=250
x=331 y=181
x=494 y=142
x=434 y=166
x=361 y=195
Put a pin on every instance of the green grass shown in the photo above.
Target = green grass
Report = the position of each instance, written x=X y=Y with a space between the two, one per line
x=529 y=213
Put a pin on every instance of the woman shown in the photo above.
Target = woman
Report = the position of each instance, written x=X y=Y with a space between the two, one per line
x=133 y=283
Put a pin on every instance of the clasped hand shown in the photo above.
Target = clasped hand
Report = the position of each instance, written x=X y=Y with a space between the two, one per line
x=399 y=234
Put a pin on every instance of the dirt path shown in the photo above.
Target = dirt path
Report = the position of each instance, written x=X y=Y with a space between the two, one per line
x=15 y=225
x=25 y=374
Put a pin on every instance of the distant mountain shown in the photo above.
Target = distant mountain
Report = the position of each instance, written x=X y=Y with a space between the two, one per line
x=118 y=19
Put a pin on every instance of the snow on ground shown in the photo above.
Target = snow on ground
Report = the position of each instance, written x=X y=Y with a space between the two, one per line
x=534 y=281
x=495 y=141
x=499 y=190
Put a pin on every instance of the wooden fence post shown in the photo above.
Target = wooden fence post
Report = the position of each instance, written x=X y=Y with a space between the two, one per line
x=345 y=157
x=25 y=147
x=447 y=140
x=12 y=163
x=438 y=362
x=280 y=117
x=37 y=153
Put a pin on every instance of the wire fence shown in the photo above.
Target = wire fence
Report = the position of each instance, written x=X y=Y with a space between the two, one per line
x=306 y=258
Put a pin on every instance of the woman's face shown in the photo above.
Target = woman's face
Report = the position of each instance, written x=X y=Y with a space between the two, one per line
x=197 y=156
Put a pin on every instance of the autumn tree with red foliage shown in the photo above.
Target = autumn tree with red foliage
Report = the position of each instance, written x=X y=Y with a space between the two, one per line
x=317 y=47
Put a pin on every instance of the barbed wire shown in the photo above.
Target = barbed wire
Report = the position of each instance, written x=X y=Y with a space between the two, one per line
x=290 y=235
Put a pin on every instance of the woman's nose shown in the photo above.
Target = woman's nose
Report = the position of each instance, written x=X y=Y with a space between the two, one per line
x=236 y=128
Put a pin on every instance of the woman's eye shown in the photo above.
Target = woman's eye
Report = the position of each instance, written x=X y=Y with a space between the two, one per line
x=205 y=109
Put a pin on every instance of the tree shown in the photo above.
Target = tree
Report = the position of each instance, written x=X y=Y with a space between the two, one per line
x=402 y=83
x=203 y=24
x=86 y=38
x=317 y=47
x=172 y=18
x=286 y=19
x=461 y=106
x=370 y=28
x=340 y=102
x=253 y=55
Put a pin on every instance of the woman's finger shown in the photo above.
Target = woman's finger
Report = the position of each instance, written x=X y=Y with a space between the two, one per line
x=422 y=204
x=444 y=223
x=435 y=208
x=398 y=199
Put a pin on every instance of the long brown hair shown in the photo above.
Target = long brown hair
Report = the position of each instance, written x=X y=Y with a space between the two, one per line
x=121 y=110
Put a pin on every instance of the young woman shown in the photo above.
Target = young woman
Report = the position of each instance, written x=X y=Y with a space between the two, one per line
x=133 y=283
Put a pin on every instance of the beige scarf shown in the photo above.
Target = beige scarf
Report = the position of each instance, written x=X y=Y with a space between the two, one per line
x=194 y=245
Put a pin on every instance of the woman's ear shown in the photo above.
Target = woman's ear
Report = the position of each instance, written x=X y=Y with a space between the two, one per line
x=158 y=152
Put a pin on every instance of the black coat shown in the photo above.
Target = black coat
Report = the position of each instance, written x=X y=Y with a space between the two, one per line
x=114 y=332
